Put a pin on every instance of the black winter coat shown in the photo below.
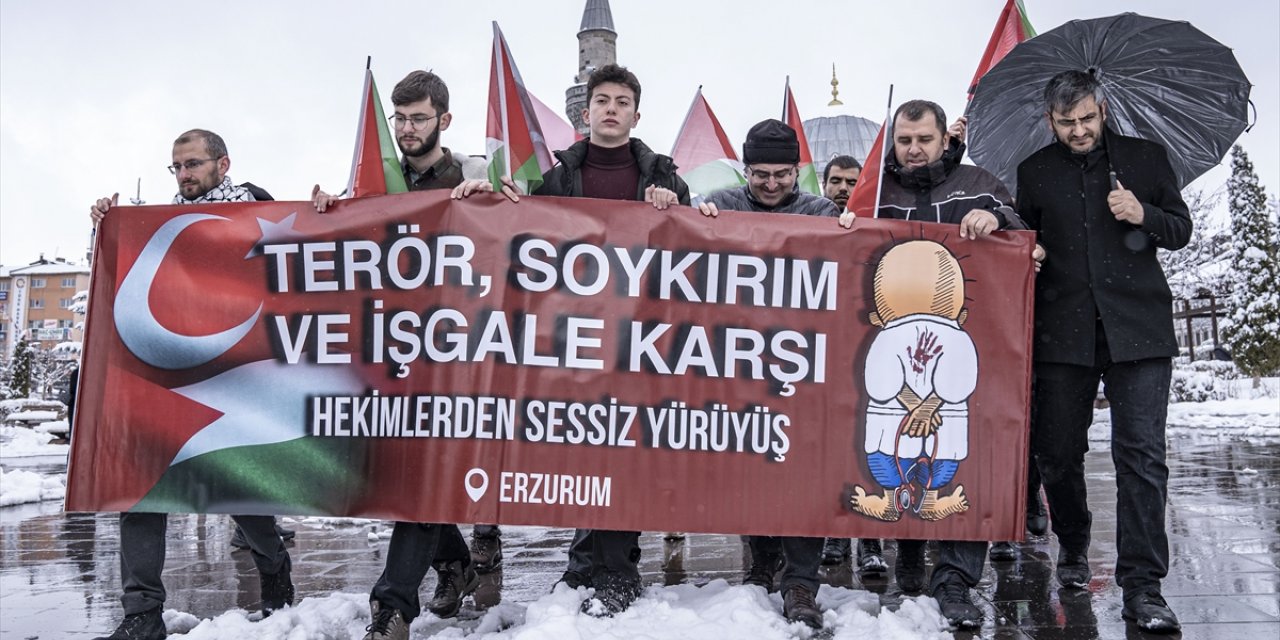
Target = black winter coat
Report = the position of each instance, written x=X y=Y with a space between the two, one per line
x=565 y=179
x=944 y=191
x=1100 y=271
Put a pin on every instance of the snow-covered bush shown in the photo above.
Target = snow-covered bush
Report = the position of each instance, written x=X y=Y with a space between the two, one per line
x=1202 y=380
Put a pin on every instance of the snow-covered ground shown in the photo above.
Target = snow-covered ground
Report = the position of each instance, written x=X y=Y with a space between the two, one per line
x=681 y=612
x=713 y=610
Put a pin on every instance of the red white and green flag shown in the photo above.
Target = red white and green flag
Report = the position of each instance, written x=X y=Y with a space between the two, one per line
x=808 y=179
x=864 y=200
x=1012 y=27
x=702 y=152
x=515 y=144
x=375 y=166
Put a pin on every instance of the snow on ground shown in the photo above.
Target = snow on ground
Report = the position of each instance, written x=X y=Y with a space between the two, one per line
x=1237 y=418
x=21 y=442
x=681 y=612
x=20 y=487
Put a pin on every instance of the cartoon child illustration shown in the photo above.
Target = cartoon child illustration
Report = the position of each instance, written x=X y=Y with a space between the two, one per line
x=919 y=373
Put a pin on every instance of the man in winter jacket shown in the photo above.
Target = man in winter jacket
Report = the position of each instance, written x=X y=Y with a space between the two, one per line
x=200 y=164
x=771 y=154
x=609 y=164
x=924 y=181
x=1102 y=204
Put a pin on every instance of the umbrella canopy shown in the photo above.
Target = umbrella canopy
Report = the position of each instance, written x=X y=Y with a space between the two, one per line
x=1164 y=81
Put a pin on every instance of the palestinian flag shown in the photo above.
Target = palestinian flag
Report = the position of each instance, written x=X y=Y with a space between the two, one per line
x=808 y=179
x=560 y=135
x=702 y=152
x=515 y=144
x=1012 y=27
x=864 y=200
x=375 y=167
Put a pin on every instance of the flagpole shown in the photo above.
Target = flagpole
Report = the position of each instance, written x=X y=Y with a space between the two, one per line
x=786 y=100
x=888 y=131
x=499 y=46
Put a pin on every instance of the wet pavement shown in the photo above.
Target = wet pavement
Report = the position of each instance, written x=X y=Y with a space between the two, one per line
x=60 y=575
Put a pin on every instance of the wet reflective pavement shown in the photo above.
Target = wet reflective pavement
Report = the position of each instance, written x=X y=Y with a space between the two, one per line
x=60 y=575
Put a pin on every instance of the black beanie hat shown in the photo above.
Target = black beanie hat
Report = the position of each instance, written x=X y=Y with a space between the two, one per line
x=771 y=142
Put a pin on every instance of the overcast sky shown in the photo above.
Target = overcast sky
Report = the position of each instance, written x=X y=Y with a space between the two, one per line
x=93 y=93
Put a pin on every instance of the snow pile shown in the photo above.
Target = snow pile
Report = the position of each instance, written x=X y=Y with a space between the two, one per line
x=1232 y=419
x=681 y=612
x=21 y=487
x=20 y=442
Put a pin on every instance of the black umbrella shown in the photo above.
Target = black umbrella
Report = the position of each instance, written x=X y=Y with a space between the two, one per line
x=1164 y=81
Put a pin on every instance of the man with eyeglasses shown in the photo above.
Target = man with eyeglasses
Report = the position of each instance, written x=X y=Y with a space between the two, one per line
x=421 y=102
x=771 y=154
x=609 y=164
x=200 y=164
x=1102 y=204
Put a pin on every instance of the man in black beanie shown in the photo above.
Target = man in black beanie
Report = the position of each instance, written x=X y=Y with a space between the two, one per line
x=771 y=154
x=772 y=157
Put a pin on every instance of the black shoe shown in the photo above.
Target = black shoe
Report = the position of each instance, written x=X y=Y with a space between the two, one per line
x=764 y=574
x=285 y=534
x=871 y=562
x=388 y=623
x=573 y=580
x=486 y=553
x=798 y=606
x=238 y=541
x=909 y=570
x=148 y=625
x=1002 y=552
x=1037 y=517
x=1073 y=569
x=611 y=599
x=835 y=551
x=1150 y=612
x=957 y=608
x=455 y=583
x=277 y=590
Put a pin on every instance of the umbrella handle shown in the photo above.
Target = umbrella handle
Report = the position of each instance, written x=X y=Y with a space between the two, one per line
x=1255 y=116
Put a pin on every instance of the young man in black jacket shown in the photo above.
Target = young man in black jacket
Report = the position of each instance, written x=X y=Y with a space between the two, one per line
x=1102 y=204
x=610 y=164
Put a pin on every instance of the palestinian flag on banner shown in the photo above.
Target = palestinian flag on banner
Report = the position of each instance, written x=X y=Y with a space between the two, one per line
x=702 y=152
x=515 y=144
x=808 y=179
x=1012 y=27
x=375 y=167
x=864 y=200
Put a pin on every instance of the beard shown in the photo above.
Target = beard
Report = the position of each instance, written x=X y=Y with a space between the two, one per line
x=423 y=149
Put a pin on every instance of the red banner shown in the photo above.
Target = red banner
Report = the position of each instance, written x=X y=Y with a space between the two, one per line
x=563 y=362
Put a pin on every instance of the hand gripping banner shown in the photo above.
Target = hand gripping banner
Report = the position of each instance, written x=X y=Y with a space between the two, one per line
x=562 y=362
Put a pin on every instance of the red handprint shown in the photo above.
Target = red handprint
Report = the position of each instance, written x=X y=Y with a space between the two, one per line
x=926 y=349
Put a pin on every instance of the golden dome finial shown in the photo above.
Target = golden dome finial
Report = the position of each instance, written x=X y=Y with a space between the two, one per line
x=835 y=88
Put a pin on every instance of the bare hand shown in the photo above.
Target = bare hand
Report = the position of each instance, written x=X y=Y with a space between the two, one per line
x=923 y=421
x=1125 y=206
x=959 y=128
x=1038 y=255
x=98 y=210
x=468 y=187
x=978 y=223
x=846 y=219
x=709 y=209
x=661 y=197
x=321 y=200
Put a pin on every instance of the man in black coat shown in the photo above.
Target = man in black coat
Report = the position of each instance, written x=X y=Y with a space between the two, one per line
x=1102 y=204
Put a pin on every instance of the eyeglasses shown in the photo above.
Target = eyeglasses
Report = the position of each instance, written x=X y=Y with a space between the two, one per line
x=419 y=121
x=189 y=165
x=763 y=176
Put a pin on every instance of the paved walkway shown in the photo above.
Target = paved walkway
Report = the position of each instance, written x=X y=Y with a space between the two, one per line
x=59 y=574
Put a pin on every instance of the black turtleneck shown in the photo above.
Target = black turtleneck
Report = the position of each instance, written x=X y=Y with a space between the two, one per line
x=610 y=173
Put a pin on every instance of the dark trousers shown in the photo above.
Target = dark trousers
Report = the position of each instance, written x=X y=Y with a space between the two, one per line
x=1139 y=396
x=802 y=558
x=607 y=558
x=960 y=560
x=414 y=548
x=142 y=547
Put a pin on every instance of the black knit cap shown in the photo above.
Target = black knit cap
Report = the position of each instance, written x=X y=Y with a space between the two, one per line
x=771 y=142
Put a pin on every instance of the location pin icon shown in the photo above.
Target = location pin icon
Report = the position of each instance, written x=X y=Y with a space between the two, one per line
x=476 y=492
